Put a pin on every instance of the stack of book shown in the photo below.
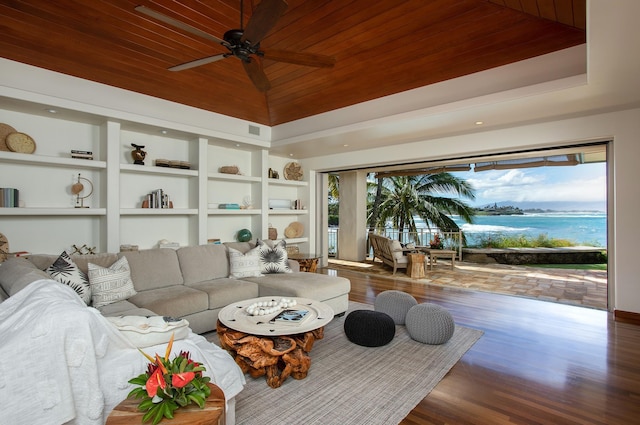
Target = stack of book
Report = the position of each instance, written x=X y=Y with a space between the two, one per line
x=9 y=197
x=157 y=199
x=81 y=154
x=229 y=206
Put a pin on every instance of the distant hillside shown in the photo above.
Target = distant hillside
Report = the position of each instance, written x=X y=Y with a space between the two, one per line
x=495 y=209
x=551 y=206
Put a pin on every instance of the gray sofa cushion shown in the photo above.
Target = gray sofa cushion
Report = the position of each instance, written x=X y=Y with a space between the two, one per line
x=42 y=261
x=225 y=291
x=124 y=308
x=153 y=269
x=18 y=272
x=203 y=262
x=301 y=284
x=175 y=301
x=3 y=295
x=243 y=247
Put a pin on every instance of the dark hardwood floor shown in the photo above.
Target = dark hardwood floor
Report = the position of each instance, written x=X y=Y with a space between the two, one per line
x=537 y=362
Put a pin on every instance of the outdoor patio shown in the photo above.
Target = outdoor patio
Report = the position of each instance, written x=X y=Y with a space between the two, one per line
x=587 y=288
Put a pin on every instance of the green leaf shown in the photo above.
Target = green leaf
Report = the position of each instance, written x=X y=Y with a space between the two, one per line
x=146 y=404
x=168 y=411
x=150 y=413
x=197 y=400
x=159 y=414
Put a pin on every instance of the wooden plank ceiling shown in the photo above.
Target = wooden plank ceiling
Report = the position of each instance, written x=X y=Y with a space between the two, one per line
x=381 y=47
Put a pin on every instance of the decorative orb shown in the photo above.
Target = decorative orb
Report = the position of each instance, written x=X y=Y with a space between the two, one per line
x=244 y=235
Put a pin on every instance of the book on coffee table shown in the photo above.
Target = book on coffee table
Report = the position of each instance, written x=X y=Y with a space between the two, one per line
x=290 y=317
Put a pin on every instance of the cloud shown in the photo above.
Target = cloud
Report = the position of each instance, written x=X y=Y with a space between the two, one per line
x=548 y=184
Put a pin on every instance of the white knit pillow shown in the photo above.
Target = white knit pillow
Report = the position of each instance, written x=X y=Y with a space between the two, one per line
x=244 y=265
x=110 y=284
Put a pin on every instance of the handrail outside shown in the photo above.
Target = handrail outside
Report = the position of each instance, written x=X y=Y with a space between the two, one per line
x=451 y=240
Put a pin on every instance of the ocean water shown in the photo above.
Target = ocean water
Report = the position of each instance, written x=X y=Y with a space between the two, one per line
x=587 y=228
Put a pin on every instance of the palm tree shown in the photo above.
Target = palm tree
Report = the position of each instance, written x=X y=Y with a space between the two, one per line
x=404 y=197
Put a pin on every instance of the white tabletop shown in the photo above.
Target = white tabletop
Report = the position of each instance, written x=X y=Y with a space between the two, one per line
x=235 y=316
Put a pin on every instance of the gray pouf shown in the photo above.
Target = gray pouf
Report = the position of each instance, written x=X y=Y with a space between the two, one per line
x=430 y=324
x=369 y=328
x=394 y=303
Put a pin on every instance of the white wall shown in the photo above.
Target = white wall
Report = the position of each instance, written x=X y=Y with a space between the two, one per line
x=624 y=192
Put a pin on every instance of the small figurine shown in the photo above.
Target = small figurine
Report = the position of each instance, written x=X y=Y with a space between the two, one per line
x=138 y=154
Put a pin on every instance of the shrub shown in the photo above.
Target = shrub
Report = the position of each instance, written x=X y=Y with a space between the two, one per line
x=521 y=241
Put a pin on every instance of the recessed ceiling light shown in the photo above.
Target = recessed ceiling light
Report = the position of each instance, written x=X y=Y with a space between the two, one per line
x=51 y=111
x=290 y=154
x=345 y=145
x=479 y=122
x=163 y=131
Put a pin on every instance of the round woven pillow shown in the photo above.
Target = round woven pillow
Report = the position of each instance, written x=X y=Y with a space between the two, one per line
x=369 y=328
x=430 y=324
x=394 y=303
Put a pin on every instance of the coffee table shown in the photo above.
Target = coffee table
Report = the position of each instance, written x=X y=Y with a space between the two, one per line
x=435 y=253
x=272 y=349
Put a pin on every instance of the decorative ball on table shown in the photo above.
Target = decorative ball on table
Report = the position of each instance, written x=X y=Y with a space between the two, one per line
x=244 y=235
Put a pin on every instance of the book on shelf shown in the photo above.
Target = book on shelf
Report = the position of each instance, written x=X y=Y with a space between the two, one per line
x=291 y=317
x=157 y=199
x=80 y=152
x=229 y=206
x=9 y=197
x=81 y=156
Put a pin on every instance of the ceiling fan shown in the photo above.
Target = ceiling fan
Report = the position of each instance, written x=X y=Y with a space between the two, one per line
x=244 y=43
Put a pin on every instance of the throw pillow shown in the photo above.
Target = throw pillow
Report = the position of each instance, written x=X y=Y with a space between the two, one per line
x=274 y=260
x=396 y=250
x=110 y=284
x=65 y=271
x=244 y=265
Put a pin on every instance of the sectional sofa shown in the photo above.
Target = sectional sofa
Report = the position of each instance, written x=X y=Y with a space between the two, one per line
x=191 y=283
x=50 y=328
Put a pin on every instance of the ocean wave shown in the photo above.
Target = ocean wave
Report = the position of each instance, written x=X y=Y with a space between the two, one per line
x=577 y=214
x=482 y=228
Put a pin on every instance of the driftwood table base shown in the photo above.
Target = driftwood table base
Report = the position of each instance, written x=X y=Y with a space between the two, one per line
x=276 y=357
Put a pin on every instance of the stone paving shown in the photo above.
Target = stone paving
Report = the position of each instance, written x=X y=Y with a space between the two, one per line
x=586 y=288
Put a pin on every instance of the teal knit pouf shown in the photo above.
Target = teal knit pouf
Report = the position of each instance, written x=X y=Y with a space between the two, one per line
x=430 y=324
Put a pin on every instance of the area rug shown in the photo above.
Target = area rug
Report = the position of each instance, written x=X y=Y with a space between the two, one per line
x=350 y=384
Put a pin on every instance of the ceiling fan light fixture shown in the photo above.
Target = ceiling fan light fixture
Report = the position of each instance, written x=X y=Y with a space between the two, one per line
x=244 y=43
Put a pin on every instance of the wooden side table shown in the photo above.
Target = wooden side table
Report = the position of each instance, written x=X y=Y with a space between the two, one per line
x=127 y=413
x=308 y=262
x=415 y=267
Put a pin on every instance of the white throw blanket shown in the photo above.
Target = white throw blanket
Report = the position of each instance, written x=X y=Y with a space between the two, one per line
x=62 y=362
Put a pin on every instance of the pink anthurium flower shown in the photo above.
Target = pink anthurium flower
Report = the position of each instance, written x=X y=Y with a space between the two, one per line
x=179 y=380
x=155 y=380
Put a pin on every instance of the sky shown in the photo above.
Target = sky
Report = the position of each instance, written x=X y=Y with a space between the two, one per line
x=581 y=183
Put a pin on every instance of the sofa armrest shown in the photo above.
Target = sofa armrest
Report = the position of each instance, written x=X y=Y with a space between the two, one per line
x=294 y=265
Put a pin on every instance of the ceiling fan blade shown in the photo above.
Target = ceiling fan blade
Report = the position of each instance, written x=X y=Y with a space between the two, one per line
x=256 y=74
x=174 y=22
x=264 y=17
x=198 y=62
x=305 y=59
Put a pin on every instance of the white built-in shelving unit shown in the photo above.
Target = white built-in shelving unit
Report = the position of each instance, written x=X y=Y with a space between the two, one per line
x=49 y=222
